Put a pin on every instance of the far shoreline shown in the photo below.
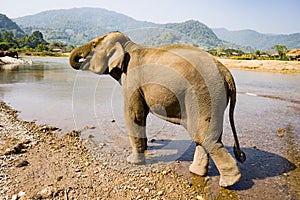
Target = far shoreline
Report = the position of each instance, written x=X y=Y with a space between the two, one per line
x=272 y=66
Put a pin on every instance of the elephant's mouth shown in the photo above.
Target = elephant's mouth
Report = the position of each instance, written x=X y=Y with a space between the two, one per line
x=80 y=62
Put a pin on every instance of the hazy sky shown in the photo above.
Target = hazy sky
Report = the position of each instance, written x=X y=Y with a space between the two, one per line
x=265 y=16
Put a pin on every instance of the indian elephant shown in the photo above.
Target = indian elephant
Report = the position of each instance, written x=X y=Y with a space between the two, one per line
x=178 y=83
x=11 y=54
x=2 y=53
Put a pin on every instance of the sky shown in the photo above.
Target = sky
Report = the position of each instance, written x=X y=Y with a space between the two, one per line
x=264 y=16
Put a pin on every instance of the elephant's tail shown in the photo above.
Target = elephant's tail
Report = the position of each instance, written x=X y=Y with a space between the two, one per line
x=239 y=154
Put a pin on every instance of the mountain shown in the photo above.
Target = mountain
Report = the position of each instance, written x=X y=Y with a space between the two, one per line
x=7 y=24
x=258 y=40
x=79 y=25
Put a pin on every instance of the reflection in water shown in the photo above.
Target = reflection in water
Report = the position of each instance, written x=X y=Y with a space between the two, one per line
x=206 y=191
x=22 y=73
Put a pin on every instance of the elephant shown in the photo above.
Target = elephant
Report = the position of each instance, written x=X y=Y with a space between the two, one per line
x=9 y=53
x=178 y=83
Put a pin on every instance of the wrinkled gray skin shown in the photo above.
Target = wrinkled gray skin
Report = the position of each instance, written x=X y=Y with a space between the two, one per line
x=178 y=83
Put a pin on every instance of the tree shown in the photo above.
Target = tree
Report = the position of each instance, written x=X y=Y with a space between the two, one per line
x=8 y=37
x=257 y=53
x=281 y=50
x=35 y=39
x=42 y=47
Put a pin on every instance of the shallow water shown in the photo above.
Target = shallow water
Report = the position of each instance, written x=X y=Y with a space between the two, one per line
x=50 y=92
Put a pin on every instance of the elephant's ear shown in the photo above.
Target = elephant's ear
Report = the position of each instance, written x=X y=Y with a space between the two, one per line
x=116 y=57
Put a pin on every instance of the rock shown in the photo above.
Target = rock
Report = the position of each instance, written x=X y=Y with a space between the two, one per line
x=73 y=133
x=280 y=130
x=160 y=193
x=46 y=128
x=14 y=197
x=200 y=198
x=17 y=148
x=20 y=194
x=23 y=163
x=47 y=192
x=280 y=135
x=146 y=190
x=89 y=127
x=77 y=170
x=6 y=60
x=59 y=178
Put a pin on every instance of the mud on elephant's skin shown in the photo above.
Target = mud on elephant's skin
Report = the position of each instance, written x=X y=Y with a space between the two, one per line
x=178 y=83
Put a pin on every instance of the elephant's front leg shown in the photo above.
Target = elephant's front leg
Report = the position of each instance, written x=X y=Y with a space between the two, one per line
x=200 y=162
x=136 y=112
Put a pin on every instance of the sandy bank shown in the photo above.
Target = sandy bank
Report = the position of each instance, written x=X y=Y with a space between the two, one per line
x=263 y=65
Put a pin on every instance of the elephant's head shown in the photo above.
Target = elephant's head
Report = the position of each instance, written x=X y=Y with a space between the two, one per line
x=102 y=55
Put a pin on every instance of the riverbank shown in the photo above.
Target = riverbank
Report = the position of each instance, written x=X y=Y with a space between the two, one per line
x=274 y=66
x=36 y=164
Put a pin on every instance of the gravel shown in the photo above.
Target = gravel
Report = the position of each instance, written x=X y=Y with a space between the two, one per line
x=37 y=164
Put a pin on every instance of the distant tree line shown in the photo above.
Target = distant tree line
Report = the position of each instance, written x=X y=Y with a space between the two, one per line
x=33 y=43
x=278 y=54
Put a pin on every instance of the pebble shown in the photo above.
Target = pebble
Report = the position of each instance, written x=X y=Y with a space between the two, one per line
x=160 y=193
x=14 y=197
x=23 y=163
x=84 y=176
x=20 y=194
x=77 y=170
x=199 y=197
x=48 y=192
x=146 y=190
x=280 y=135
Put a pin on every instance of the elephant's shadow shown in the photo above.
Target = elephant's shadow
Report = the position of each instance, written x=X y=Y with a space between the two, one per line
x=259 y=164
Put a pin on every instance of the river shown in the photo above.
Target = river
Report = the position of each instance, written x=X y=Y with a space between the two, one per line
x=267 y=118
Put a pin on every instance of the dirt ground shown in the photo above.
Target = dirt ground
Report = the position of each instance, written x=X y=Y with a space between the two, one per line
x=36 y=164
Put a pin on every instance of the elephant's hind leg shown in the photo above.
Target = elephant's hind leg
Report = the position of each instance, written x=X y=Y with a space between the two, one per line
x=229 y=171
x=200 y=162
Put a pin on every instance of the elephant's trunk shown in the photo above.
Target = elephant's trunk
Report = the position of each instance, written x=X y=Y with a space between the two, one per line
x=78 y=55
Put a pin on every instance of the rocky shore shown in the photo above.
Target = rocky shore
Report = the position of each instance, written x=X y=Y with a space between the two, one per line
x=9 y=60
x=36 y=164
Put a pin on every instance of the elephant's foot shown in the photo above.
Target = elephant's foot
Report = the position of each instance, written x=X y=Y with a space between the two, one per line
x=136 y=158
x=200 y=162
x=228 y=168
x=139 y=146
x=196 y=169
x=230 y=179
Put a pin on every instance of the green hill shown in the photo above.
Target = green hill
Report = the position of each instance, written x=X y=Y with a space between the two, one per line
x=79 y=25
x=7 y=24
x=258 y=40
